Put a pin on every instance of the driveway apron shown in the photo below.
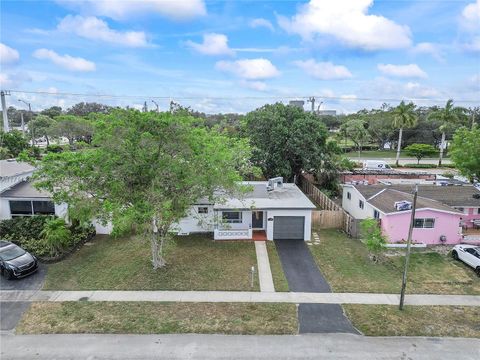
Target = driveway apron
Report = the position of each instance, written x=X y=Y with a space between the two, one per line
x=11 y=312
x=303 y=275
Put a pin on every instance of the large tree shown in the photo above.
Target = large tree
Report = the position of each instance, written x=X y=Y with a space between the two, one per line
x=12 y=143
x=449 y=116
x=41 y=125
x=403 y=117
x=355 y=129
x=144 y=172
x=286 y=140
x=465 y=152
x=72 y=127
x=86 y=108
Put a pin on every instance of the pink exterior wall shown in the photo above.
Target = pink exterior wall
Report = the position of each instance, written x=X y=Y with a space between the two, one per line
x=395 y=227
x=472 y=215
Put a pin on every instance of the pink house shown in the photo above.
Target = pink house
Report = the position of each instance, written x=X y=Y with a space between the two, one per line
x=436 y=222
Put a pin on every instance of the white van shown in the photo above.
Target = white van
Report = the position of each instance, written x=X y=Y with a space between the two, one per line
x=376 y=165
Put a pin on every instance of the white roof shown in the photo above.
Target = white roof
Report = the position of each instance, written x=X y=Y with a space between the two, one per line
x=287 y=197
x=11 y=167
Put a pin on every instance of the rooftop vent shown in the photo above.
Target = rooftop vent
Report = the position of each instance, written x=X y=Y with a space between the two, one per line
x=275 y=183
x=403 y=205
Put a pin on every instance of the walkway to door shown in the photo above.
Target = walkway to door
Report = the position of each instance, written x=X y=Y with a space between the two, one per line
x=303 y=275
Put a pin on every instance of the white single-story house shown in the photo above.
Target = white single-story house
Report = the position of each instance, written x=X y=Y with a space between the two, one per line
x=281 y=211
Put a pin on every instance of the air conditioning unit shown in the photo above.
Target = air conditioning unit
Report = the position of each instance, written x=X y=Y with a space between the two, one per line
x=403 y=205
x=275 y=183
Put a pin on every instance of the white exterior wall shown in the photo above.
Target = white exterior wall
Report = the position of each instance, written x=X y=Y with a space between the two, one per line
x=270 y=214
x=4 y=209
x=195 y=222
x=351 y=205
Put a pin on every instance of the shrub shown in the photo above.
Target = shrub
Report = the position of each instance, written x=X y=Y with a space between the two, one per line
x=44 y=236
x=420 y=166
x=56 y=236
x=374 y=239
x=54 y=148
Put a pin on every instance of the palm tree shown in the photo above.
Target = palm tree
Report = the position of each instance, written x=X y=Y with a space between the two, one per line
x=403 y=117
x=448 y=116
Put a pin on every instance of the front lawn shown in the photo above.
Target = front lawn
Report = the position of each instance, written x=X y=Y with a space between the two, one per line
x=279 y=279
x=347 y=267
x=158 y=318
x=194 y=262
x=385 y=320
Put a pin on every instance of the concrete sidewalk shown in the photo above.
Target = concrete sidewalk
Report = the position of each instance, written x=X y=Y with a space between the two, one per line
x=236 y=296
x=264 y=271
x=191 y=346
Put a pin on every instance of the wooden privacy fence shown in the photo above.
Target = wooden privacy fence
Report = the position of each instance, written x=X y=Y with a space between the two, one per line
x=330 y=214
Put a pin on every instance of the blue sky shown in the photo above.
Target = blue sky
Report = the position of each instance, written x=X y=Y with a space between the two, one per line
x=227 y=56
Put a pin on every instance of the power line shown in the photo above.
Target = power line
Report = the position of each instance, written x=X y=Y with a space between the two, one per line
x=286 y=97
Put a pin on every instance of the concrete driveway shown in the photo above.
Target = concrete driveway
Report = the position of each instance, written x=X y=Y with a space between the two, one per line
x=11 y=311
x=303 y=275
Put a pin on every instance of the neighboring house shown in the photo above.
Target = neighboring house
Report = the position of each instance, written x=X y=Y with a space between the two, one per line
x=13 y=172
x=281 y=213
x=439 y=216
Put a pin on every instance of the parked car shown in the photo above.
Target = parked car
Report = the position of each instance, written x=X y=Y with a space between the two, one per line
x=469 y=254
x=376 y=165
x=16 y=262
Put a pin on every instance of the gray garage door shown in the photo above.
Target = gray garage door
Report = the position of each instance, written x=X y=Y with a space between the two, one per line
x=288 y=227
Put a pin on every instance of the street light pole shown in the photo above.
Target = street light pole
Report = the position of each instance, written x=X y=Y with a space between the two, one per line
x=31 y=130
x=156 y=105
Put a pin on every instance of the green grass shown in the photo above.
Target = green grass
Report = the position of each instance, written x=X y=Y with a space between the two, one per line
x=193 y=263
x=279 y=279
x=347 y=267
x=386 y=320
x=387 y=154
x=158 y=318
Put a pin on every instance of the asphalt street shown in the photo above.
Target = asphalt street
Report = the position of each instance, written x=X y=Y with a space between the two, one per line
x=303 y=275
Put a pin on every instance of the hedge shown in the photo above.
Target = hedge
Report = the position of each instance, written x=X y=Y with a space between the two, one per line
x=28 y=233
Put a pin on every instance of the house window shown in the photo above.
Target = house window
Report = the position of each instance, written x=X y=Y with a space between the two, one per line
x=424 y=223
x=349 y=196
x=203 y=210
x=376 y=214
x=29 y=208
x=360 y=204
x=232 y=217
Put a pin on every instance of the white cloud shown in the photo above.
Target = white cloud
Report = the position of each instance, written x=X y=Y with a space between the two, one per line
x=8 y=55
x=324 y=70
x=126 y=9
x=254 y=85
x=96 y=29
x=250 y=69
x=213 y=44
x=65 y=61
x=260 y=22
x=430 y=49
x=473 y=45
x=470 y=19
x=349 y=22
x=5 y=80
x=405 y=71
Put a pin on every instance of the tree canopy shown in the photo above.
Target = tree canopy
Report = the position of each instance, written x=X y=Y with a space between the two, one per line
x=420 y=151
x=144 y=172
x=285 y=140
x=465 y=152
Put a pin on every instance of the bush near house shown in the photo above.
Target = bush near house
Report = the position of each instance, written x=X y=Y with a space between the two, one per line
x=46 y=237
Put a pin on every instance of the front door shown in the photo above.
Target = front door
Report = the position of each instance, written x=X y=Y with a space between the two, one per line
x=257 y=219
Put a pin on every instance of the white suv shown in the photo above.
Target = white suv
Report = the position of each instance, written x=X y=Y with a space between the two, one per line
x=469 y=254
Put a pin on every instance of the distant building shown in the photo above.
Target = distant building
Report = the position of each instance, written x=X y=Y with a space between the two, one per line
x=297 y=103
x=327 y=112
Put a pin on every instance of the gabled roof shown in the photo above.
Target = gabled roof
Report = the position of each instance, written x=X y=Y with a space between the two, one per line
x=385 y=202
x=287 y=197
x=25 y=190
x=11 y=167
x=459 y=196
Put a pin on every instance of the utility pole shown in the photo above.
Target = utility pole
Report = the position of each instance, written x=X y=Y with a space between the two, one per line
x=156 y=105
x=409 y=243
x=32 y=130
x=6 y=127
x=312 y=100
x=23 y=123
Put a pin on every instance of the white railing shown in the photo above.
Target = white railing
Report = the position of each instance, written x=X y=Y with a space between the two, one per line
x=232 y=234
